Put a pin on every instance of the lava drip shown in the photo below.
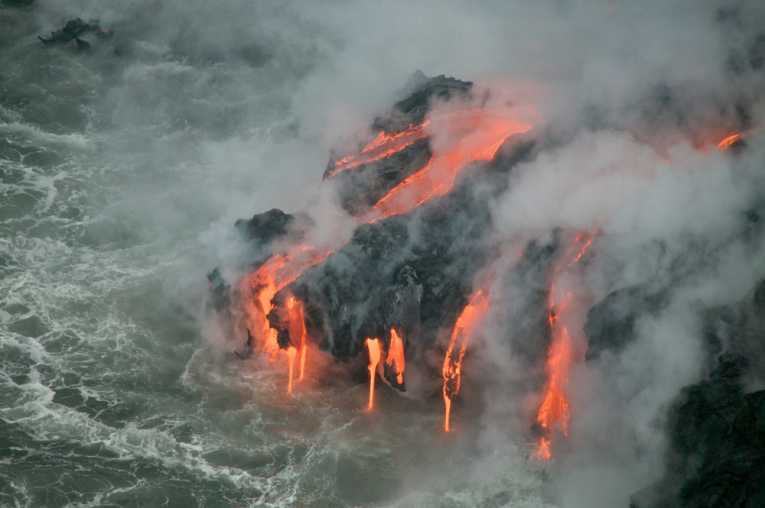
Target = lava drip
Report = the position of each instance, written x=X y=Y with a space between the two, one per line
x=384 y=145
x=396 y=358
x=464 y=328
x=555 y=410
x=291 y=352
x=297 y=331
x=257 y=290
x=473 y=135
x=373 y=348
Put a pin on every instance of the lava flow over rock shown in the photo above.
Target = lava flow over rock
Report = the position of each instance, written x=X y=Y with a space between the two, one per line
x=415 y=277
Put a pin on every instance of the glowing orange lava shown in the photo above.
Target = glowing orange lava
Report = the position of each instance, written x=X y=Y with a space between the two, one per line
x=297 y=331
x=396 y=358
x=382 y=146
x=291 y=352
x=257 y=290
x=472 y=135
x=729 y=140
x=555 y=409
x=373 y=347
x=464 y=328
x=543 y=449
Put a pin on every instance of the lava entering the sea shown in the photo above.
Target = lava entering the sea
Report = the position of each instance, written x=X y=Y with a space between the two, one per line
x=257 y=291
x=396 y=358
x=555 y=409
x=464 y=328
x=373 y=348
x=298 y=335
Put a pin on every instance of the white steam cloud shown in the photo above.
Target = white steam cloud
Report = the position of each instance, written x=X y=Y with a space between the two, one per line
x=245 y=100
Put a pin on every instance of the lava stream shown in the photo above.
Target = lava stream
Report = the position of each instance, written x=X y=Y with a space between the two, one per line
x=472 y=135
x=464 y=329
x=258 y=289
x=728 y=141
x=555 y=409
x=396 y=357
x=291 y=352
x=381 y=147
x=297 y=331
x=373 y=347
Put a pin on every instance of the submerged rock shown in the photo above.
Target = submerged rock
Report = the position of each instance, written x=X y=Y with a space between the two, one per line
x=73 y=30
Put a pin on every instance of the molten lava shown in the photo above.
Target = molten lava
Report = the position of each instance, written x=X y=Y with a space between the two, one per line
x=297 y=331
x=464 y=328
x=555 y=409
x=381 y=147
x=472 y=135
x=291 y=352
x=396 y=358
x=729 y=140
x=373 y=348
x=258 y=289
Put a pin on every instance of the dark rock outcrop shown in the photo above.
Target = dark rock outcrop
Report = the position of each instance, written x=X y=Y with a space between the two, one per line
x=610 y=323
x=413 y=272
x=73 y=30
x=716 y=428
x=265 y=227
x=419 y=93
x=366 y=184
x=717 y=456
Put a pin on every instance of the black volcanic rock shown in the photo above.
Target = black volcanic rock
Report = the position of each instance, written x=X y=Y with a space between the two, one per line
x=420 y=92
x=73 y=30
x=717 y=458
x=363 y=186
x=717 y=429
x=265 y=227
x=610 y=323
x=413 y=272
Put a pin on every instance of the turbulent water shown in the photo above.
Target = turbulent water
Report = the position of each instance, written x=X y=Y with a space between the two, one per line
x=121 y=170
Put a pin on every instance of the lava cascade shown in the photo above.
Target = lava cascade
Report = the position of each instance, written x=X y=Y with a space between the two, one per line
x=383 y=145
x=464 y=328
x=555 y=409
x=298 y=334
x=473 y=135
x=374 y=350
x=258 y=289
x=396 y=358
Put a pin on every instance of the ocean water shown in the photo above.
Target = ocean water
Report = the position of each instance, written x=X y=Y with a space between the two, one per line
x=121 y=171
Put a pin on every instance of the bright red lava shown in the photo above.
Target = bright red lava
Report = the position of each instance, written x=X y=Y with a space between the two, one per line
x=373 y=348
x=396 y=357
x=257 y=290
x=469 y=136
x=473 y=135
x=555 y=409
x=464 y=328
x=381 y=147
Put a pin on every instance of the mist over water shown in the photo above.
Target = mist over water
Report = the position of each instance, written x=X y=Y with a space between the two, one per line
x=123 y=169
